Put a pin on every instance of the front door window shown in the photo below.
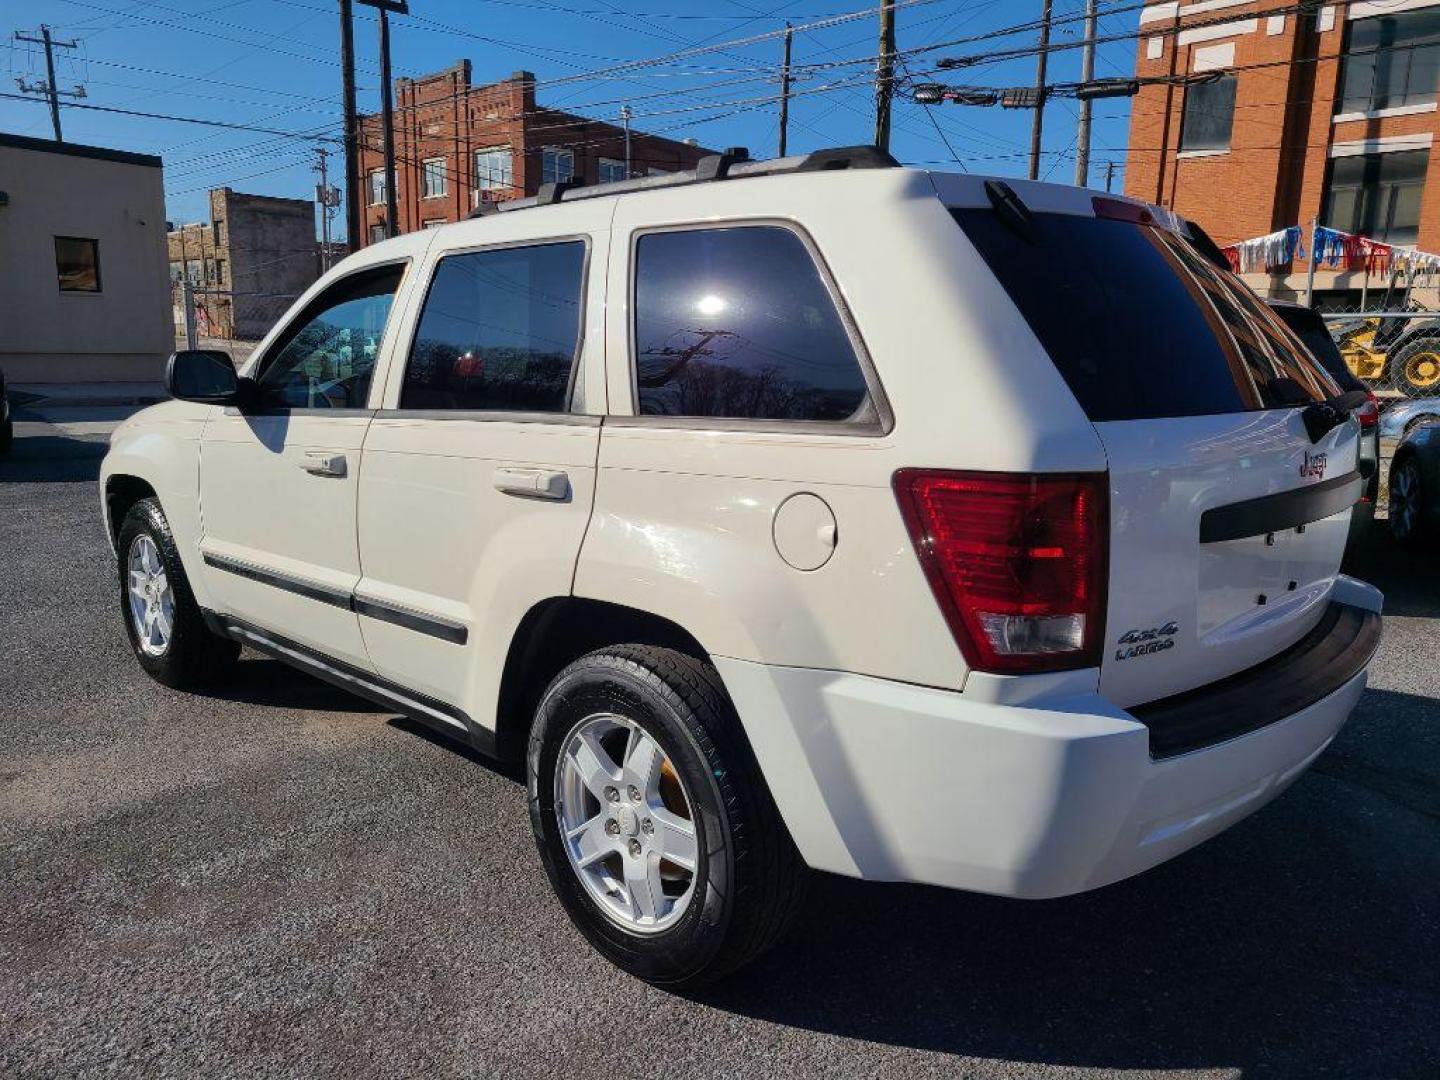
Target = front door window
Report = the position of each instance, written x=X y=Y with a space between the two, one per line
x=326 y=358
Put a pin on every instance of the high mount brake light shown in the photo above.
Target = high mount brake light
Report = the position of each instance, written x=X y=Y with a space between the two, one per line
x=1017 y=563
x=1121 y=210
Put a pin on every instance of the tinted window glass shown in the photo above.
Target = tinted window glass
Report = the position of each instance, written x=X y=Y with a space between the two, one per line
x=737 y=322
x=500 y=330
x=1378 y=195
x=326 y=357
x=1310 y=328
x=77 y=264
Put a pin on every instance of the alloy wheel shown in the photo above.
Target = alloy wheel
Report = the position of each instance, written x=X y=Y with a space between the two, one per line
x=152 y=603
x=626 y=823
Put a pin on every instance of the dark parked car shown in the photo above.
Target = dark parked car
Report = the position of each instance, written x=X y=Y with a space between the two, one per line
x=1415 y=485
x=7 y=426
x=1310 y=328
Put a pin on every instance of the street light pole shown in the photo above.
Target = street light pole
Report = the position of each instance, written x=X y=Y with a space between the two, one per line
x=785 y=91
x=625 y=119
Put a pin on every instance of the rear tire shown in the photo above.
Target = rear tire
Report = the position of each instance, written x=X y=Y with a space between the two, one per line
x=747 y=880
x=1408 y=506
x=167 y=632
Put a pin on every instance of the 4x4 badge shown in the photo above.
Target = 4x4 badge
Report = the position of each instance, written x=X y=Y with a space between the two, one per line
x=1135 y=643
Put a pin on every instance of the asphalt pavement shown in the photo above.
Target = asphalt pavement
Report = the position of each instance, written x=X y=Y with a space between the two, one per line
x=277 y=879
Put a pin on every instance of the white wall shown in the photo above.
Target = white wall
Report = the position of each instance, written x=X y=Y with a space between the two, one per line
x=124 y=331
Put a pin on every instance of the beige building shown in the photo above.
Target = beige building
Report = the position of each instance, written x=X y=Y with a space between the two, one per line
x=84 y=292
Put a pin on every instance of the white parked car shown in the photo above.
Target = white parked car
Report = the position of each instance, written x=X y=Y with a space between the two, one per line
x=806 y=513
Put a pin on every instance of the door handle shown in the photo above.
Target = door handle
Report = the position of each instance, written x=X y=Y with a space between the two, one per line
x=533 y=483
x=320 y=464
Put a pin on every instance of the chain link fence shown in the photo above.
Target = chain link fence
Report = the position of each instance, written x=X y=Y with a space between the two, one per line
x=211 y=318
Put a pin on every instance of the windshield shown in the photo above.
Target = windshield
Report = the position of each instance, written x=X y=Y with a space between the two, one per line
x=1139 y=324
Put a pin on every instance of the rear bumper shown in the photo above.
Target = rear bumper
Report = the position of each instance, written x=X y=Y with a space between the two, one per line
x=895 y=782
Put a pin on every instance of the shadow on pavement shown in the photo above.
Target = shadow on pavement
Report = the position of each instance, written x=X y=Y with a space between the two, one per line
x=1409 y=578
x=1300 y=943
x=48 y=459
x=259 y=680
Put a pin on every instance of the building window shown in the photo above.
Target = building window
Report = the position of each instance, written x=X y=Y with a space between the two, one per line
x=432 y=223
x=1391 y=62
x=77 y=264
x=194 y=272
x=1209 y=115
x=377 y=187
x=217 y=231
x=1377 y=195
x=220 y=272
x=494 y=169
x=611 y=170
x=433 y=177
x=377 y=233
x=557 y=166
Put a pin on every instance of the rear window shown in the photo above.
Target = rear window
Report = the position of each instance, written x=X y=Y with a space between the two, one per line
x=1138 y=324
x=1310 y=328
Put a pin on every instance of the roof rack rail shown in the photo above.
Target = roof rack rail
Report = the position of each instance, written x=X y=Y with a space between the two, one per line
x=732 y=163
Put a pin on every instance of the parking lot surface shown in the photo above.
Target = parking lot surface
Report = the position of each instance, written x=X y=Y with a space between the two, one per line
x=278 y=879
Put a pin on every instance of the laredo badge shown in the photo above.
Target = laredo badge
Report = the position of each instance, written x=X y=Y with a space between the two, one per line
x=1157 y=639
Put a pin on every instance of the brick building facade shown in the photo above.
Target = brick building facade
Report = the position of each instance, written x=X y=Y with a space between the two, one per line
x=456 y=143
x=248 y=262
x=1326 y=115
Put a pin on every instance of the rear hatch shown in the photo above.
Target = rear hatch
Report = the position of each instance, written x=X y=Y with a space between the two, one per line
x=1227 y=520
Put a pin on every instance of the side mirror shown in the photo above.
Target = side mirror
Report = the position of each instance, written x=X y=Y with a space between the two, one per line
x=203 y=375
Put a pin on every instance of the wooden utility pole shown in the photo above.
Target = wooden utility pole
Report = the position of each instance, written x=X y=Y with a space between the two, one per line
x=885 y=73
x=49 y=89
x=785 y=92
x=1038 y=125
x=352 y=157
x=387 y=120
x=1087 y=74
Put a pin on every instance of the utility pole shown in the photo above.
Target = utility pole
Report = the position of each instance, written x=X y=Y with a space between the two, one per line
x=785 y=91
x=328 y=198
x=49 y=88
x=387 y=119
x=885 y=73
x=1109 y=176
x=1037 y=127
x=352 y=157
x=1087 y=74
x=625 y=119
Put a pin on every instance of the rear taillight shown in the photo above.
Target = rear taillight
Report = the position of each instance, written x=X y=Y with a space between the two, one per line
x=1017 y=563
x=1369 y=413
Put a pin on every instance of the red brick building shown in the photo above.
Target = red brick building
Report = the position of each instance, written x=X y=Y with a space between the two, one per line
x=456 y=144
x=1329 y=115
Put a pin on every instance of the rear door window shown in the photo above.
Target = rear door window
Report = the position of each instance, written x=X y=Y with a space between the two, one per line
x=500 y=331
x=737 y=322
x=1137 y=323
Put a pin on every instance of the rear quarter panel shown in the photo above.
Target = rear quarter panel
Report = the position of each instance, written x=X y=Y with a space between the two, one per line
x=684 y=515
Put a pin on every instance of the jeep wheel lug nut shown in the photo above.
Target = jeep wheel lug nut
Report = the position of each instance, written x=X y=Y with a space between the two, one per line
x=612 y=827
x=647 y=826
x=634 y=847
x=611 y=794
x=634 y=793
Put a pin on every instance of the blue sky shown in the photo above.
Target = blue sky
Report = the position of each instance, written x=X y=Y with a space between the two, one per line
x=274 y=64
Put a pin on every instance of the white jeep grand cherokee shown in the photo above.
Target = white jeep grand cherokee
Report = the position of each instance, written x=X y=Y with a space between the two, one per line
x=806 y=513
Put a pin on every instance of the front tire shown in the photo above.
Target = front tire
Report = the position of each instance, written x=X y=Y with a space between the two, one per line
x=166 y=629
x=653 y=822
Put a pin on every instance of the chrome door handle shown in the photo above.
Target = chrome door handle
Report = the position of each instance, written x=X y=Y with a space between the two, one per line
x=533 y=483
x=319 y=464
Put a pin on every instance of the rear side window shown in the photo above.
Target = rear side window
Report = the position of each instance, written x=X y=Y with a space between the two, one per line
x=737 y=322
x=500 y=330
x=1138 y=324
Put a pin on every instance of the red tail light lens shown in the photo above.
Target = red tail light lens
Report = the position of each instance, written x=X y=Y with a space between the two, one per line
x=1017 y=562
x=1369 y=413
